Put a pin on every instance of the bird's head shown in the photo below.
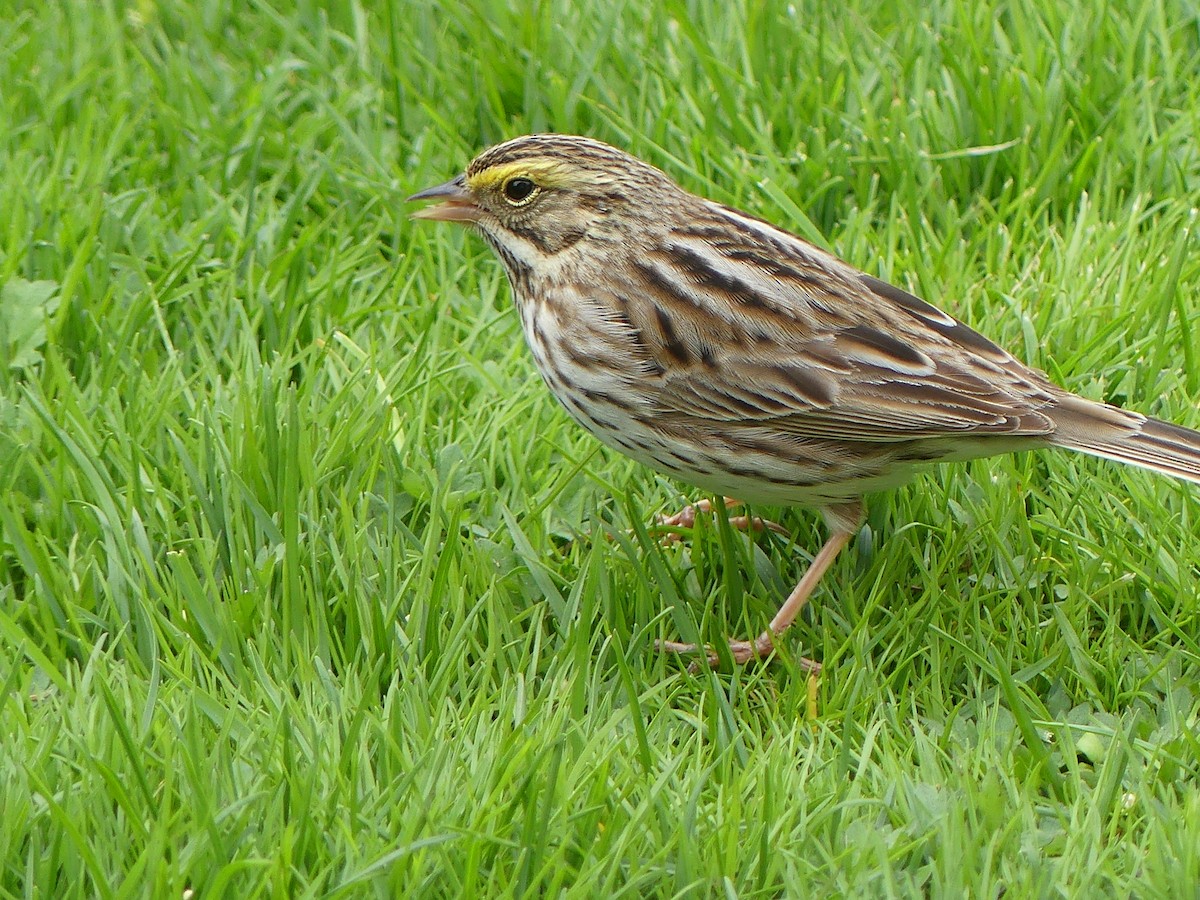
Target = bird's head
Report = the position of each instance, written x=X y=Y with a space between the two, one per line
x=536 y=196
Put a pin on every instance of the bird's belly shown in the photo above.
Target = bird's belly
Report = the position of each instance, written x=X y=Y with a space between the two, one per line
x=592 y=373
x=711 y=457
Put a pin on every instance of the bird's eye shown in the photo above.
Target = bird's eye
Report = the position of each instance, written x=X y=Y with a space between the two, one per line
x=518 y=190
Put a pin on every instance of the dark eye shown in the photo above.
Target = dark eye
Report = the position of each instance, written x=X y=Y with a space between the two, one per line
x=519 y=189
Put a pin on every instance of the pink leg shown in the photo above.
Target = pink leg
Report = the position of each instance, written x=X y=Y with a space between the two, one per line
x=761 y=647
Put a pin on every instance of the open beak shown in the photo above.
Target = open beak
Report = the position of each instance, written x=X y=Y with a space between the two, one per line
x=456 y=205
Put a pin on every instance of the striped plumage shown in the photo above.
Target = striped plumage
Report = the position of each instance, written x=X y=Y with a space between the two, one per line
x=717 y=348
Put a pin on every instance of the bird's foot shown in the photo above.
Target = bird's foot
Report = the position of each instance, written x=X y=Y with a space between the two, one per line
x=741 y=651
x=686 y=518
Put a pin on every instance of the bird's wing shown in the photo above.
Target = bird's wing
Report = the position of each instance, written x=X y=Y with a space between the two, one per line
x=749 y=323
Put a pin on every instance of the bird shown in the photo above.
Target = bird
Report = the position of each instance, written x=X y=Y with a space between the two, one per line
x=724 y=351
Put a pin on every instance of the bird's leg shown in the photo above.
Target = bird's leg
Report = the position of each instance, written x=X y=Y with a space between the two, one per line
x=686 y=518
x=761 y=647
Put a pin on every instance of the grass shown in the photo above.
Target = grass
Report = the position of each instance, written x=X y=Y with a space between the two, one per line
x=309 y=589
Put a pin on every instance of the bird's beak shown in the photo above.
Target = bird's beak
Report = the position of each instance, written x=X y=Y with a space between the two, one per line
x=456 y=205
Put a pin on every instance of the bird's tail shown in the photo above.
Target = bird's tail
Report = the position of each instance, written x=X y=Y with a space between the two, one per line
x=1127 y=437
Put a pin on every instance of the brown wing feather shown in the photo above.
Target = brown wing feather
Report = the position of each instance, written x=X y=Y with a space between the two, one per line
x=815 y=348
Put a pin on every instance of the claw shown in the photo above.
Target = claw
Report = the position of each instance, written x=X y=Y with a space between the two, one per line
x=686 y=518
x=742 y=652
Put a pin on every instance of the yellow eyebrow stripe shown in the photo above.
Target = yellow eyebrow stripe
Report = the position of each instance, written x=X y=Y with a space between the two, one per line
x=546 y=173
x=549 y=173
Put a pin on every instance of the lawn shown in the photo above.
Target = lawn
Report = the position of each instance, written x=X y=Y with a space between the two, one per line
x=308 y=587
